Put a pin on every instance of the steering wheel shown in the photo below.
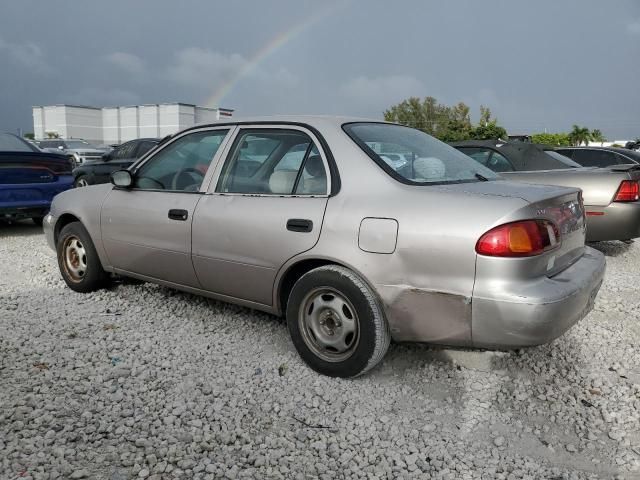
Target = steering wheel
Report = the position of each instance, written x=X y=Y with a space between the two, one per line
x=196 y=175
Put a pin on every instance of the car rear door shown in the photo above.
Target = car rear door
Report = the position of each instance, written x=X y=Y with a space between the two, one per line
x=146 y=230
x=265 y=206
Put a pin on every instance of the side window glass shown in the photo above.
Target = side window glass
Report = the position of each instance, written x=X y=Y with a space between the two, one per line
x=621 y=160
x=182 y=165
x=144 y=147
x=480 y=155
x=266 y=161
x=124 y=151
x=498 y=163
x=313 y=180
x=590 y=158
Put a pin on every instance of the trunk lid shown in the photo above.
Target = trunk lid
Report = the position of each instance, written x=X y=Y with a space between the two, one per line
x=561 y=205
x=19 y=168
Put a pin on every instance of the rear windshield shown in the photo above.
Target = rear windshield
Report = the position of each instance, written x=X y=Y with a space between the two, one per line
x=564 y=161
x=10 y=143
x=411 y=156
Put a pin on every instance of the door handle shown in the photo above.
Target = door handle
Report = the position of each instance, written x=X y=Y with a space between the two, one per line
x=177 y=214
x=299 y=225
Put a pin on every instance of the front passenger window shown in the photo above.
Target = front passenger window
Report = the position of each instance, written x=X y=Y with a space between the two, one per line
x=182 y=165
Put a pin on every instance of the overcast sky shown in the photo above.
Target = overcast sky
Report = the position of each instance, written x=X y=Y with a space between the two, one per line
x=543 y=64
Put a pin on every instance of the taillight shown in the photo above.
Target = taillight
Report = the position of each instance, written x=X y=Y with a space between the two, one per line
x=629 y=191
x=519 y=239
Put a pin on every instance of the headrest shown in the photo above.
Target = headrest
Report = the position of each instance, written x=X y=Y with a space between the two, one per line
x=314 y=166
x=281 y=181
x=428 y=168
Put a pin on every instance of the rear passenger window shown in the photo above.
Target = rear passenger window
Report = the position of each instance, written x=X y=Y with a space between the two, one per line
x=594 y=158
x=282 y=162
x=498 y=163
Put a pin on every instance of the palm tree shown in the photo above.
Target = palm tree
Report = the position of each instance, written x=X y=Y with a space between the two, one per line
x=579 y=135
x=598 y=136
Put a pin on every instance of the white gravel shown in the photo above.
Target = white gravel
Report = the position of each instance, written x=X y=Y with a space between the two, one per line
x=140 y=381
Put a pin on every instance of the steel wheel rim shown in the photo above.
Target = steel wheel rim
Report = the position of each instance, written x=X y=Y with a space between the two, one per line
x=82 y=183
x=329 y=324
x=74 y=258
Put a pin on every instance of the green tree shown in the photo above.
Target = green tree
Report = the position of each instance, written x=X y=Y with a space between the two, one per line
x=579 y=135
x=30 y=136
x=554 y=139
x=52 y=134
x=442 y=121
x=597 y=136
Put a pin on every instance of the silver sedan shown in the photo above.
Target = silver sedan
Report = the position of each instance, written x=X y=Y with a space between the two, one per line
x=316 y=219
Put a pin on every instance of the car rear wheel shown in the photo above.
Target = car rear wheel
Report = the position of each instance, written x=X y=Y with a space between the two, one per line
x=78 y=260
x=336 y=322
x=81 y=181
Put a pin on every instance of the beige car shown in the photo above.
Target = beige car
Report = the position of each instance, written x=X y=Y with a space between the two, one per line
x=307 y=217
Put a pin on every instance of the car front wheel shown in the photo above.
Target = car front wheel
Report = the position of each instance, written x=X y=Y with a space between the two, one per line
x=336 y=322
x=78 y=260
x=81 y=181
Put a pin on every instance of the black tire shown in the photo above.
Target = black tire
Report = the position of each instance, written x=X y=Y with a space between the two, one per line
x=80 y=266
x=371 y=338
x=82 y=181
x=37 y=220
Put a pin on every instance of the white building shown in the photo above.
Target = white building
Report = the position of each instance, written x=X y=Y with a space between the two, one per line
x=110 y=125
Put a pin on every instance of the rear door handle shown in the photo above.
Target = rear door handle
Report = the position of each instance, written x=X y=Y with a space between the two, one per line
x=299 y=225
x=177 y=214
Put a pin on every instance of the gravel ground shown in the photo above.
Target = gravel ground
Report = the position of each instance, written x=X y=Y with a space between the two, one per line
x=140 y=381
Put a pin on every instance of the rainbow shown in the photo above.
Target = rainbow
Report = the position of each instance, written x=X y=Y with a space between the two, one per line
x=268 y=49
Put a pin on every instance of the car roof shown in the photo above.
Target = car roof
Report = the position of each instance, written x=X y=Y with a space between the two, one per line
x=315 y=121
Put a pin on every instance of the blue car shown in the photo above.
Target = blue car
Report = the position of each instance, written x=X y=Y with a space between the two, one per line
x=29 y=179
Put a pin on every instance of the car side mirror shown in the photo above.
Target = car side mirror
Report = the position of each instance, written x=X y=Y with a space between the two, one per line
x=106 y=156
x=122 y=179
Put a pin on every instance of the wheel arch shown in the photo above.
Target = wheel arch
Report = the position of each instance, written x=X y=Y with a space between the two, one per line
x=65 y=219
x=292 y=272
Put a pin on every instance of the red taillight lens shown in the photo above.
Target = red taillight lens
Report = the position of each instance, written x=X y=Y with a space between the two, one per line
x=519 y=239
x=629 y=191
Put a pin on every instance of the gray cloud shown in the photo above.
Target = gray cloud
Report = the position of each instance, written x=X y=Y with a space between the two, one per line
x=537 y=65
x=634 y=27
x=127 y=62
x=27 y=54
x=380 y=92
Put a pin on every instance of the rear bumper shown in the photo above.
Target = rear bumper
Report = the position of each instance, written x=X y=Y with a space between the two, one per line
x=616 y=221
x=535 y=311
x=31 y=199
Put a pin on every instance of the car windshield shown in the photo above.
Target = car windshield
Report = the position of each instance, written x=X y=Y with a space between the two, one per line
x=565 y=161
x=10 y=143
x=411 y=156
x=78 y=144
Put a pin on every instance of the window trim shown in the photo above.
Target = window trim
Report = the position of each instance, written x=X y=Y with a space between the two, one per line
x=213 y=188
x=135 y=167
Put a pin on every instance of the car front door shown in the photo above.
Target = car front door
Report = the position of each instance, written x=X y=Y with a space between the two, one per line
x=265 y=206
x=146 y=230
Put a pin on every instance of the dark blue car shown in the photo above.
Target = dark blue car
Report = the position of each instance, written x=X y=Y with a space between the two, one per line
x=29 y=179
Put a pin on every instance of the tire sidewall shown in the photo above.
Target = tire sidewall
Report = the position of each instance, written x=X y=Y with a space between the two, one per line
x=95 y=277
x=81 y=177
x=359 y=361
